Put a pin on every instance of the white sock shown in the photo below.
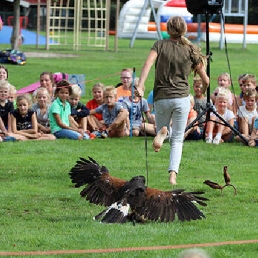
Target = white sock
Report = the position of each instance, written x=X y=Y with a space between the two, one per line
x=218 y=135
x=210 y=135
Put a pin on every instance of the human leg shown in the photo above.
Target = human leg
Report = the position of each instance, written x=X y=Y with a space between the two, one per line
x=150 y=129
x=69 y=134
x=47 y=136
x=163 y=109
x=179 y=118
x=209 y=130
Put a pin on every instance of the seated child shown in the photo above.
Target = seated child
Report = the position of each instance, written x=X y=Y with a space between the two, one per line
x=224 y=81
x=114 y=115
x=24 y=121
x=6 y=106
x=3 y=73
x=136 y=108
x=216 y=127
x=95 y=122
x=239 y=98
x=194 y=132
x=60 y=114
x=41 y=107
x=12 y=95
x=247 y=113
x=253 y=140
x=4 y=135
x=79 y=112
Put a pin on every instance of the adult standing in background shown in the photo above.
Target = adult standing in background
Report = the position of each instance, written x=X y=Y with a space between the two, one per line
x=175 y=58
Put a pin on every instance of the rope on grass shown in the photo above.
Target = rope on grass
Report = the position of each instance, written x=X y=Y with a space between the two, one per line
x=129 y=249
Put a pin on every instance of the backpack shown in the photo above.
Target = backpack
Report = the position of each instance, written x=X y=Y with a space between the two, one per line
x=12 y=56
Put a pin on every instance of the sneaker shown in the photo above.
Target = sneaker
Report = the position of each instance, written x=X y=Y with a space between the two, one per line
x=92 y=136
x=208 y=140
x=97 y=133
x=216 y=140
x=104 y=134
x=86 y=136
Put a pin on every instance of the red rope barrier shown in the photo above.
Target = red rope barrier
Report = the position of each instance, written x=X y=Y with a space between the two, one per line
x=128 y=249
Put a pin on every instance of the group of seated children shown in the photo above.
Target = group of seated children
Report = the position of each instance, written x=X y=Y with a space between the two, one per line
x=54 y=111
x=239 y=112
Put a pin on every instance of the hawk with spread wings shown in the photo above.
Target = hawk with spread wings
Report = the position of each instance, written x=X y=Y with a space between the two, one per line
x=133 y=200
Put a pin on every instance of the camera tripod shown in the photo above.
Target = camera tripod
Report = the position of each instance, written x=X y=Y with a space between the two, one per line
x=209 y=107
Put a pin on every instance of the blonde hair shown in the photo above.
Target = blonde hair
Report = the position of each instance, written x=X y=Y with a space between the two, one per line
x=41 y=89
x=98 y=85
x=4 y=84
x=25 y=96
x=223 y=93
x=12 y=89
x=176 y=27
x=249 y=78
x=109 y=89
x=225 y=75
x=76 y=90
x=250 y=93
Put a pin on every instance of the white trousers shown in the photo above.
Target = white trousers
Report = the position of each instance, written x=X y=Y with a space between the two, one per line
x=176 y=110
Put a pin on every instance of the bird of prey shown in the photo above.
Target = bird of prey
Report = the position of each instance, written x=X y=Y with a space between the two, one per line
x=133 y=200
x=226 y=176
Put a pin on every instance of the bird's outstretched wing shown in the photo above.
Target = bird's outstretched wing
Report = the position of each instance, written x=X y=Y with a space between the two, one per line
x=100 y=187
x=165 y=205
x=122 y=196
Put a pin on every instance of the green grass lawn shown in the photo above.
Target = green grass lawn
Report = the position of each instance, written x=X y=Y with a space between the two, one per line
x=40 y=210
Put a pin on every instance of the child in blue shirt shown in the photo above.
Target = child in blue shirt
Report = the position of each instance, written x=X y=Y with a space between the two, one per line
x=114 y=115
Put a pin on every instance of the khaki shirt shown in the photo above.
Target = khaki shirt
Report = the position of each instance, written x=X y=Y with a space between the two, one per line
x=173 y=65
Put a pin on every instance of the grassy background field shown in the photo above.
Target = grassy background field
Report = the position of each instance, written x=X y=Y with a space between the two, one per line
x=40 y=209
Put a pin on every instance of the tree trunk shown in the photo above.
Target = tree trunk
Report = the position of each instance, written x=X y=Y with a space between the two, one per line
x=15 y=39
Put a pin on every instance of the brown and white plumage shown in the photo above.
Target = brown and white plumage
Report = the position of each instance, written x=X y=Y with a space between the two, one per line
x=132 y=199
x=215 y=185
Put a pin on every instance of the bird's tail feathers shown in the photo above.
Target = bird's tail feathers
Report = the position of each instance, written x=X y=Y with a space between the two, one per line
x=116 y=213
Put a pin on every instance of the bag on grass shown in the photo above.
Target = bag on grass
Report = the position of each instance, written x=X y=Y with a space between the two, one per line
x=12 y=56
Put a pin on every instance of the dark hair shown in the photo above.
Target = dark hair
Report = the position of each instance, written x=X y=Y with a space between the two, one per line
x=50 y=75
x=63 y=84
x=3 y=67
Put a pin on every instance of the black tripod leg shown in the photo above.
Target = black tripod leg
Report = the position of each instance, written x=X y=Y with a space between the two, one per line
x=192 y=124
x=231 y=127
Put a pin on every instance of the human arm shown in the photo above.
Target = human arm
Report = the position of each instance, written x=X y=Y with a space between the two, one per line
x=29 y=133
x=145 y=71
x=2 y=127
x=93 y=112
x=149 y=117
x=122 y=116
x=205 y=79
x=73 y=123
x=43 y=129
x=60 y=123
